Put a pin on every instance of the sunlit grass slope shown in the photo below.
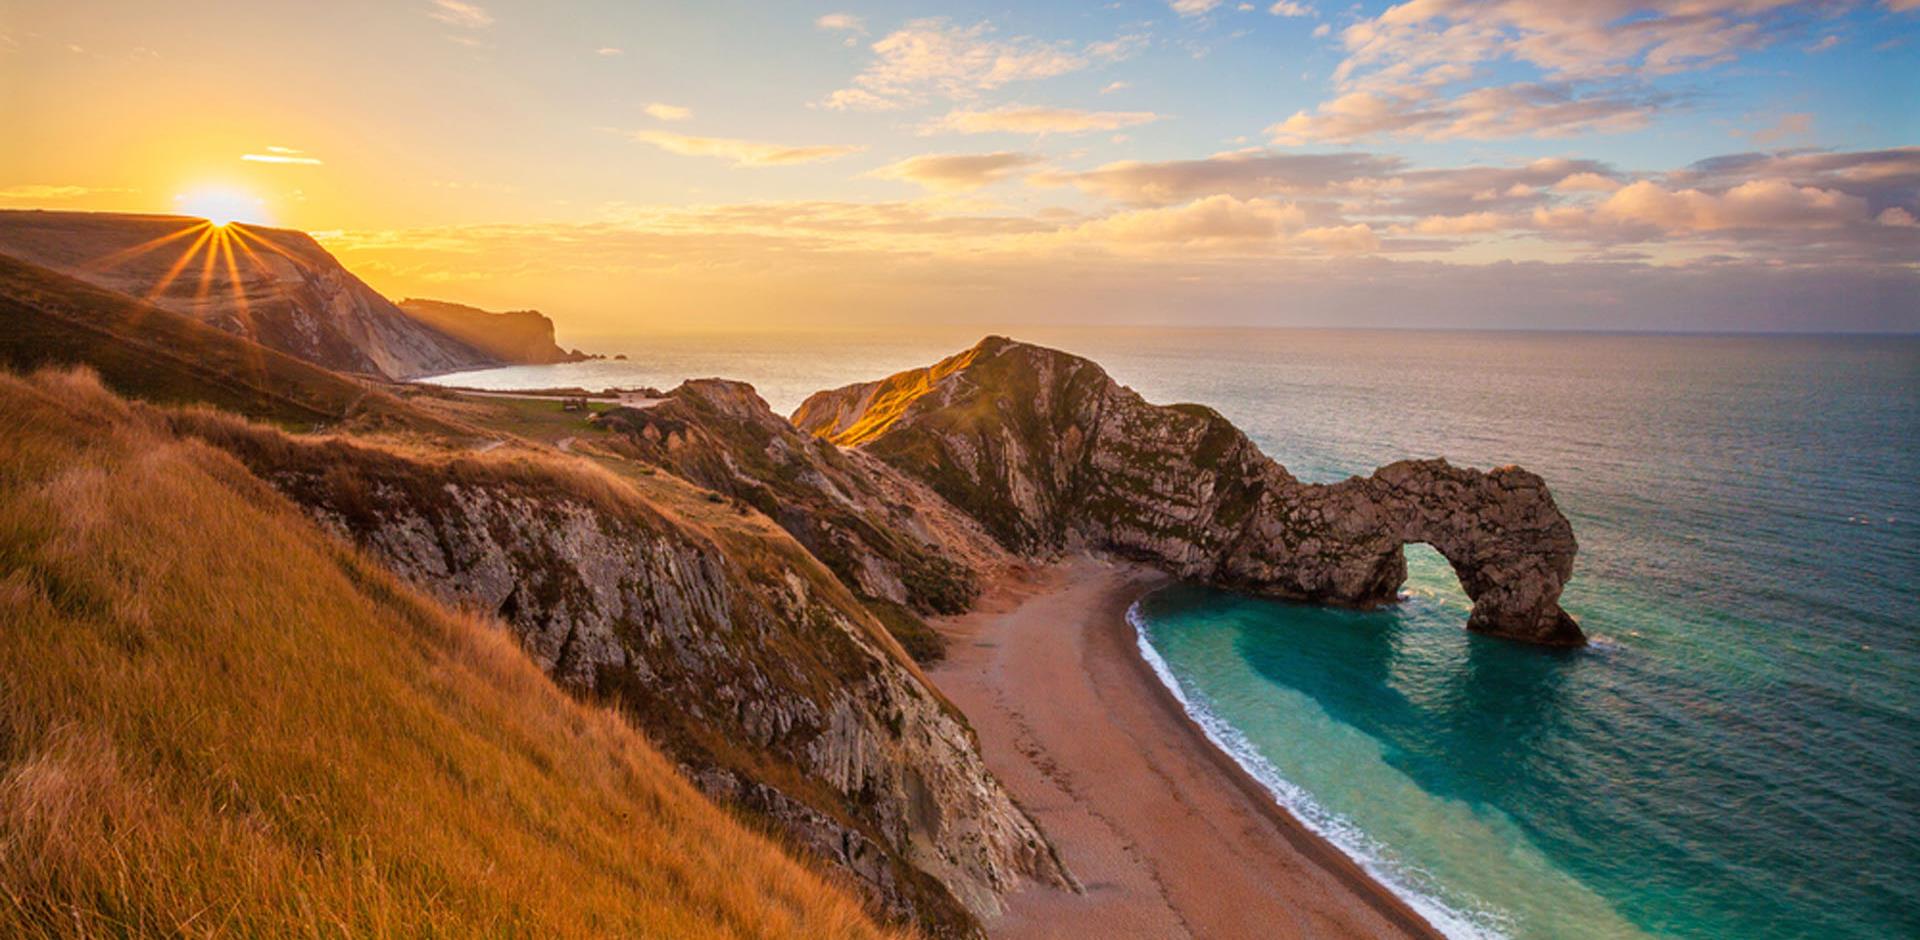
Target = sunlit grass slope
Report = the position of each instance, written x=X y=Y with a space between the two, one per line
x=50 y=319
x=216 y=721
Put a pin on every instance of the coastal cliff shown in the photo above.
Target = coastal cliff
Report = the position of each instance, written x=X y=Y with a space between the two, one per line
x=276 y=287
x=737 y=652
x=518 y=336
x=1048 y=452
x=899 y=546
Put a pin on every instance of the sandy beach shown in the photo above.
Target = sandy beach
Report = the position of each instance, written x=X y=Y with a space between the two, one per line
x=1167 y=835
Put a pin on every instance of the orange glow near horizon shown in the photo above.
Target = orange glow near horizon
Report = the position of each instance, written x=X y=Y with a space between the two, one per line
x=222 y=206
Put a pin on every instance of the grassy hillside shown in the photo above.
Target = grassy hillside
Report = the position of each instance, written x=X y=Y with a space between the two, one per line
x=216 y=721
x=50 y=319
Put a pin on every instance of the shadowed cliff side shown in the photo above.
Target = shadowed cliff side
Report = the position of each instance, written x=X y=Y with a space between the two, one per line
x=1046 y=450
x=511 y=336
x=902 y=549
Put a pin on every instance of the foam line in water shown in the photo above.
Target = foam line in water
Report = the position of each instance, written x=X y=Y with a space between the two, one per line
x=1333 y=827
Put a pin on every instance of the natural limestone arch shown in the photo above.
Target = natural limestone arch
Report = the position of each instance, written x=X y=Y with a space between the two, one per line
x=1508 y=544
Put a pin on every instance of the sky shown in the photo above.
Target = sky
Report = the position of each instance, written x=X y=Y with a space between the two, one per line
x=627 y=168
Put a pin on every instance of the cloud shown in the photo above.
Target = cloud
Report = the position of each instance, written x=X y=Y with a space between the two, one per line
x=1192 y=7
x=1896 y=217
x=1244 y=174
x=667 y=112
x=1765 y=203
x=934 y=58
x=37 y=192
x=1219 y=225
x=842 y=22
x=284 y=155
x=958 y=171
x=743 y=153
x=1565 y=39
x=1473 y=223
x=1114 y=86
x=1019 y=119
x=609 y=51
x=462 y=15
x=1586 y=182
x=1787 y=127
x=1536 y=110
x=1288 y=8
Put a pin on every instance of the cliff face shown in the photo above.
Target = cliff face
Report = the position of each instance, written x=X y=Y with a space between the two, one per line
x=276 y=287
x=1046 y=450
x=739 y=654
x=896 y=543
x=520 y=336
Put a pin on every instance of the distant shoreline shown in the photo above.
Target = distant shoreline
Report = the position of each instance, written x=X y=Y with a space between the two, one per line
x=1168 y=833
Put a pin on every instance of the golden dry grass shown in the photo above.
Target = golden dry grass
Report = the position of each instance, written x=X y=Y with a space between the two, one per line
x=215 y=721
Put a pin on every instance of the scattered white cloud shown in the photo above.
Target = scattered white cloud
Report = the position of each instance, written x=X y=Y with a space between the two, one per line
x=1288 y=8
x=667 y=112
x=744 y=153
x=1321 y=31
x=934 y=58
x=460 y=14
x=609 y=51
x=1020 y=119
x=1896 y=217
x=1536 y=110
x=1111 y=87
x=842 y=22
x=1192 y=7
x=958 y=171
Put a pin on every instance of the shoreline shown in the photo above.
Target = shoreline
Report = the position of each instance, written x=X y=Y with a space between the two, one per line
x=1169 y=835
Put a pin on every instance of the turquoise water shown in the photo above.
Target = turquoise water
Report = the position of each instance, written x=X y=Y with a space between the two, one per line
x=1738 y=753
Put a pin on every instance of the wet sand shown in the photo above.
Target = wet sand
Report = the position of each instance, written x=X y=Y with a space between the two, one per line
x=1166 y=834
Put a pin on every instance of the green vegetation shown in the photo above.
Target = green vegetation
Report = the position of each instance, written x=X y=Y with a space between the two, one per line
x=216 y=721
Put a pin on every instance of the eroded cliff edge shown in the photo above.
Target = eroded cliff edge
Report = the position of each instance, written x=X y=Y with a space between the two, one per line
x=740 y=655
x=1047 y=451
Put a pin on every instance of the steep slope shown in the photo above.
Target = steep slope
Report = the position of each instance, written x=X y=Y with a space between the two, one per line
x=50 y=319
x=276 y=287
x=1045 y=449
x=902 y=548
x=216 y=721
x=825 y=727
x=523 y=336
x=733 y=647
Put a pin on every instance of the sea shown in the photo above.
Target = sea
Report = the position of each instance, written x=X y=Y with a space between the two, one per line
x=1737 y=752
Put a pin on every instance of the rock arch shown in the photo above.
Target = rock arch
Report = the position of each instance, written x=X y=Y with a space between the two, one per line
x=1509 y=545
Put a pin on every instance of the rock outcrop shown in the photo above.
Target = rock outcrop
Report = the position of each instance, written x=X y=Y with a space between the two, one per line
x=740 y=655
x=519 y=336
x=900 y=547
x=276 y=287
x=1047 y=451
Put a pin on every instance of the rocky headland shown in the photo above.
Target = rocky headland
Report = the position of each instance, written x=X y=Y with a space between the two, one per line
x=1048 y=452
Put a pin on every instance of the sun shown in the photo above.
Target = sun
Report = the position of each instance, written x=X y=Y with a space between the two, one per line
x=222 y=205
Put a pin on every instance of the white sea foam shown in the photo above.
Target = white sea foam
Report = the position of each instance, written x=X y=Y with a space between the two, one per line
x=1333 y=827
